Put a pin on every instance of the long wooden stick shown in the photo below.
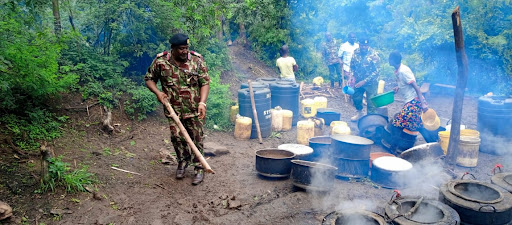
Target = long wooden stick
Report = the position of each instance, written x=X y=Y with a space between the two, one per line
x=462 y=64
x=126 y=171
x=343 y=82
x=254 y=112
x=190 y=143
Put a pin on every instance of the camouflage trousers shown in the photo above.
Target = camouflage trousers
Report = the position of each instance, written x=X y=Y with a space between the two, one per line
x=194 y=127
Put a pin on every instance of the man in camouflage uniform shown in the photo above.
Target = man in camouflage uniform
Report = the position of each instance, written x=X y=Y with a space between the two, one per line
x=333 y=62
x=365 y=69
x=185 y=85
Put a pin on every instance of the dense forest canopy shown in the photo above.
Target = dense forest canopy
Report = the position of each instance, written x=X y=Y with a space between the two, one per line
x=101 y=49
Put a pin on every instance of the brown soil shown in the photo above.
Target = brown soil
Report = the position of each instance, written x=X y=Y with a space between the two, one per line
x=236 y=194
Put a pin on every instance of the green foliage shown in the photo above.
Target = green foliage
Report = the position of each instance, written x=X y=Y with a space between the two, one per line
x=29 y=72
x=60 y=174
x=142 y=102
x=39 y=125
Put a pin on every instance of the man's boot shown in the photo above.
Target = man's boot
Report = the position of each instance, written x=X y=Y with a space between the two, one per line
x=198 y=178
x=332 y=84
x=180 y=171
x=357 y=116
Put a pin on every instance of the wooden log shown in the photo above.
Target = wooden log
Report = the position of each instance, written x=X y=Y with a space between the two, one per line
x=254 y=112
x=462 y=78
x=190 y=143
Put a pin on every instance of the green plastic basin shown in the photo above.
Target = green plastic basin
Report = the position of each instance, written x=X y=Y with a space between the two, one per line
x=383 y=99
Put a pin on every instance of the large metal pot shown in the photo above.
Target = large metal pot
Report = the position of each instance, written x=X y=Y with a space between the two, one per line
x=389 y=172
x=504 y=180
x=368 y=126
x=274 y=162
x=321 y=148
x=312 y=176
x=427 y=212
x=478 y=202
x=351 y=147
x=352 y=168
x=353 y=217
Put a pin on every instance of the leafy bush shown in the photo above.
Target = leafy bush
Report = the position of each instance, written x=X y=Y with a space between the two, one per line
x=60 y=174
x=28 y=64
x=143 y=101
x=39 y=125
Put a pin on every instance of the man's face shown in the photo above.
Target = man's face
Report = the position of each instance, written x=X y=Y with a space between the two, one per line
x=352 y=39
x=180 y=53
x=364 y=48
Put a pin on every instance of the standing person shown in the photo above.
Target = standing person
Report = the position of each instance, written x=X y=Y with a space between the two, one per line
x=365 y=70
x=346 y=52
x=331 y=59
x=409 y=118
x=185 y=85
x=286 y=64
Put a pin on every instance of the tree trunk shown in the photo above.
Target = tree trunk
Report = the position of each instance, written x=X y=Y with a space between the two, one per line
x=243 y=37
x=462 y=64
x=56 y=17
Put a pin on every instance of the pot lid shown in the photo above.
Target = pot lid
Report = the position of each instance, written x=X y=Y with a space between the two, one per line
x=352 y=139
x=392 y=163
x=297 y=149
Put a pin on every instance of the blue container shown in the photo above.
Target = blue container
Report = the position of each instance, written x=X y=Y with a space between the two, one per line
x=286 y=95
x=262 y=103
x=328 y=115
x=351 y=147
x=494 y=122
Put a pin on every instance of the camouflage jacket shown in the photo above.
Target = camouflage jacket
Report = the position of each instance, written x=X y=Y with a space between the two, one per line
x=330 y=52
x=365 y=67
x=181 y=83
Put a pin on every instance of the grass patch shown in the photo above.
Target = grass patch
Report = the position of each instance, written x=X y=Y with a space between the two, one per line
x=61 y=175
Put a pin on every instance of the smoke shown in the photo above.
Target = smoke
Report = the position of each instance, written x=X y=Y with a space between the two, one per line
x=423 y=179
x=500 y=145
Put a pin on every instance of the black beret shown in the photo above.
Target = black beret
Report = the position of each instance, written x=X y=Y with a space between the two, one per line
x=364 y=40
x=179 y=39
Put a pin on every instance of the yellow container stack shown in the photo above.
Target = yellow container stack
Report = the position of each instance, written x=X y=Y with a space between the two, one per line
x=308 y=108
x=243 y=127
x=287 y=119
x=320 y=102
x=277 y=119
x=233 y=112
x=340 y=129
x=305 y=130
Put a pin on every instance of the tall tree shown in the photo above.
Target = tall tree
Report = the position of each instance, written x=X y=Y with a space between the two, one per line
x=56 y=17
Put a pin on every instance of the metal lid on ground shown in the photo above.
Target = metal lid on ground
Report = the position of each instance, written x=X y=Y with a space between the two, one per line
x=297 y=149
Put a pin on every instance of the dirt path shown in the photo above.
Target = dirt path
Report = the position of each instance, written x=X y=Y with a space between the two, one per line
x=234 y=195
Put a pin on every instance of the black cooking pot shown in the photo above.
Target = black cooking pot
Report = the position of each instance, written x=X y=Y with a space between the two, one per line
x=504 y=180
x=478 y=202
x=328 y=115
x=368 y=125
x=321 y=147
x=428 y=212
x=351 y=147
x=274 y=162
x=312 y=175
x=351 y=217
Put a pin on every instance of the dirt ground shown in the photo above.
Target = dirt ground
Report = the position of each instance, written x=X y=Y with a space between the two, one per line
x=236 y=194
